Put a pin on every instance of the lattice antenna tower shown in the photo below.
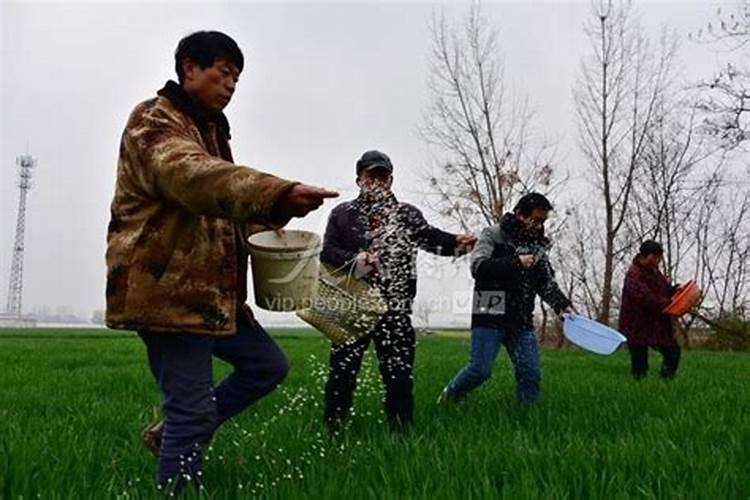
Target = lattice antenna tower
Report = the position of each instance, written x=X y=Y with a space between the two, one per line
x=15 y=288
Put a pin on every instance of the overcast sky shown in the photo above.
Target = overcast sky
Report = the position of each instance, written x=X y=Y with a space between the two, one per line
x=322 y=83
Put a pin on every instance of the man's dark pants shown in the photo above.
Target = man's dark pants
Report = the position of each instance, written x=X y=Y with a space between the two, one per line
x=639 y=359
x=394 y=340
x=193 y=407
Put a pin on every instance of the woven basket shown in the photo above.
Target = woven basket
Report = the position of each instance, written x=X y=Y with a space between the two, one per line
x=345 y=308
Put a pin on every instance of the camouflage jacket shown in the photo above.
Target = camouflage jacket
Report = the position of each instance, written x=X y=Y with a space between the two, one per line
x=180 y=216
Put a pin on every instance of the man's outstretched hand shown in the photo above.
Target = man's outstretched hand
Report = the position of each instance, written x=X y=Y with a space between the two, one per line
x=465 y=243
x=301 y=200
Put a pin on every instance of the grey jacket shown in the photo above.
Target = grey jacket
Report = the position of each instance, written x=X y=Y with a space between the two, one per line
x=505 y=292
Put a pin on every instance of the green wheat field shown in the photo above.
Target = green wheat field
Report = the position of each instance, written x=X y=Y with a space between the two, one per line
x=73 y=403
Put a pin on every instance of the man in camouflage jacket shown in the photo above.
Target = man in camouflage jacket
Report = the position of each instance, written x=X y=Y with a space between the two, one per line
x=177 y=257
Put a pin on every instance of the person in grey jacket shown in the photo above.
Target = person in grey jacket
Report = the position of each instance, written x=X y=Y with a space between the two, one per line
x=510 y=267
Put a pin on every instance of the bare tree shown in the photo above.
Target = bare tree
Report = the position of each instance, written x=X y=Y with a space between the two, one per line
x=725 y=103
x=482 y=137
x=725 y=97
x=616 y=96
x=679 y=169
x=722 y=229
x=577 y=261
x=724 y=249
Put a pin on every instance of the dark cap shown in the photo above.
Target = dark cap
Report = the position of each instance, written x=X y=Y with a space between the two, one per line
x=374 y=159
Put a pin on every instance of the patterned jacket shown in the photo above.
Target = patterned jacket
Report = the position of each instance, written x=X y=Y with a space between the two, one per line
x=180 y=216
x=505 y=292
x=644 y=294
x=393 y=230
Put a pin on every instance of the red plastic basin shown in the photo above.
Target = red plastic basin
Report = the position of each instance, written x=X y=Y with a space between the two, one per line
x=683 y=301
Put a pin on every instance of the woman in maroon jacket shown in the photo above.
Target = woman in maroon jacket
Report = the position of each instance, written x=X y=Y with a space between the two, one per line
x=645 y=294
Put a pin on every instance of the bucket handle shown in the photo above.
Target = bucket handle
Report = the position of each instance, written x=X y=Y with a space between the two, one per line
x=290 y=276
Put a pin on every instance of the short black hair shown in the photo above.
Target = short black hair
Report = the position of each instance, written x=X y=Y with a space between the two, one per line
x=531 y=201
x=650 y=247
x=204 y=48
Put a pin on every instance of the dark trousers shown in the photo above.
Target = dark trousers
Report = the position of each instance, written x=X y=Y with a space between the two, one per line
x=394 y=340
x=193 y=408
x=639 y=360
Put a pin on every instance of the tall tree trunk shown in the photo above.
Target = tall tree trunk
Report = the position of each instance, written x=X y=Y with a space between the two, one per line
x=608 y=205
x=609 y=265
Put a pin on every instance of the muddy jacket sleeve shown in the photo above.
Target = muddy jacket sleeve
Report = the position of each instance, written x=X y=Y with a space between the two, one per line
x=179 y=169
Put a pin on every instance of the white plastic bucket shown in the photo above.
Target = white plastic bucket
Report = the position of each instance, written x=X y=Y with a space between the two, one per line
x=590 y=335
x=285 y=269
